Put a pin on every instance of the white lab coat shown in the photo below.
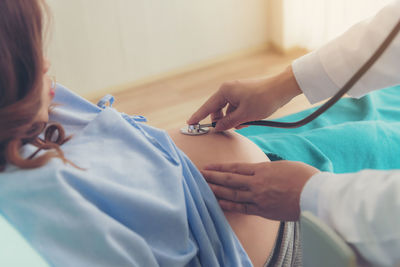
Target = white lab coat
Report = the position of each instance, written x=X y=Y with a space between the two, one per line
x=363 y=207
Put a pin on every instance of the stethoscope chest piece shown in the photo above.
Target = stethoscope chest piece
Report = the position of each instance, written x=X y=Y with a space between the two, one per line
x=194 y=129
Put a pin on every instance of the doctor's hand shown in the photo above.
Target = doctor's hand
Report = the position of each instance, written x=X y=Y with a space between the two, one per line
x=248 y=100
x=269 y=189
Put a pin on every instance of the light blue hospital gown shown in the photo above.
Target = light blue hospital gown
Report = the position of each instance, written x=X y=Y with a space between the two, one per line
x=140 y=201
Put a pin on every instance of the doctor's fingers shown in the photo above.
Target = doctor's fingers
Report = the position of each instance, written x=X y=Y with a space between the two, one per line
x=238 y=168
x=230 y=120
x=234 y=195
x=213 y=105
x=216 y=116
x=246 y=208
x=238 y=115
x=219 y=114
x=226 y=179
x=234 y=116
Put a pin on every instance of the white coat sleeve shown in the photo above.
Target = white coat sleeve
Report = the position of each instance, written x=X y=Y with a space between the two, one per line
x=363 y=208
x=322 y=72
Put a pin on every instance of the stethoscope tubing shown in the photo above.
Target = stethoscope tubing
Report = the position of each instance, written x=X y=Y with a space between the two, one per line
x=349 y=84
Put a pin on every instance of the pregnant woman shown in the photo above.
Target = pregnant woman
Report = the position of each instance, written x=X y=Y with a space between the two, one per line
x=89 y=186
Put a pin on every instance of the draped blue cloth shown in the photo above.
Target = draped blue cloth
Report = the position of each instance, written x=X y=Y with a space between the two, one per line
x=138 y=202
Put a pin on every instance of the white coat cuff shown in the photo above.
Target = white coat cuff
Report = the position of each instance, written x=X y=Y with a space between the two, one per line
x=309 y=198
x=312 y=78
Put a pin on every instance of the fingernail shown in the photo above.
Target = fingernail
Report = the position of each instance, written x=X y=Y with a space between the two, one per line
x=192 y=120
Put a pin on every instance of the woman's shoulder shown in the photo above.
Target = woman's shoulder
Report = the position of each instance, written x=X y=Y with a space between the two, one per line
x=69 y=99
x=71 y=110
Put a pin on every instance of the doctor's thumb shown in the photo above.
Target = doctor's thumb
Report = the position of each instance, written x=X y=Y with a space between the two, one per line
x=227 y=122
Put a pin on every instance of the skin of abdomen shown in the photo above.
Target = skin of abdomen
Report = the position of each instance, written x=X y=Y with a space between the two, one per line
x=256 y=234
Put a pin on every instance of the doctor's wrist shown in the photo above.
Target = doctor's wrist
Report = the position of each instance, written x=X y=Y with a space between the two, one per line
x=291 y=86
x=286 y=86
x=310 y=194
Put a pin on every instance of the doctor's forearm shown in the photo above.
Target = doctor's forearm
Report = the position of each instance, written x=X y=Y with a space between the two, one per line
x=363 y=207
x=321 y=73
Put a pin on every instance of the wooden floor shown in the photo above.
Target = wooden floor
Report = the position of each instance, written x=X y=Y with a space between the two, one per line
x=168 y=103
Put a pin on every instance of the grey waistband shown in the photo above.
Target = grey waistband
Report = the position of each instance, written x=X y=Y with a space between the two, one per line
x=287 y=250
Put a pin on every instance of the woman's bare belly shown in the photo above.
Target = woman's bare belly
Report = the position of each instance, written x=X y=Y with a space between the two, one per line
x=256 y=234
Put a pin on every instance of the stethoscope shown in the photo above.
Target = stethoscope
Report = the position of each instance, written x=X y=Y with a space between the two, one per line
x=199 y=129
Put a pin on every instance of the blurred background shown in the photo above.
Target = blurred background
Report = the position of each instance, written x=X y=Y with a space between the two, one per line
x=164 y=58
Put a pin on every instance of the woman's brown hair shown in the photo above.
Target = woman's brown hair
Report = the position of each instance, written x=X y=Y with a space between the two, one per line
x=21 y=85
